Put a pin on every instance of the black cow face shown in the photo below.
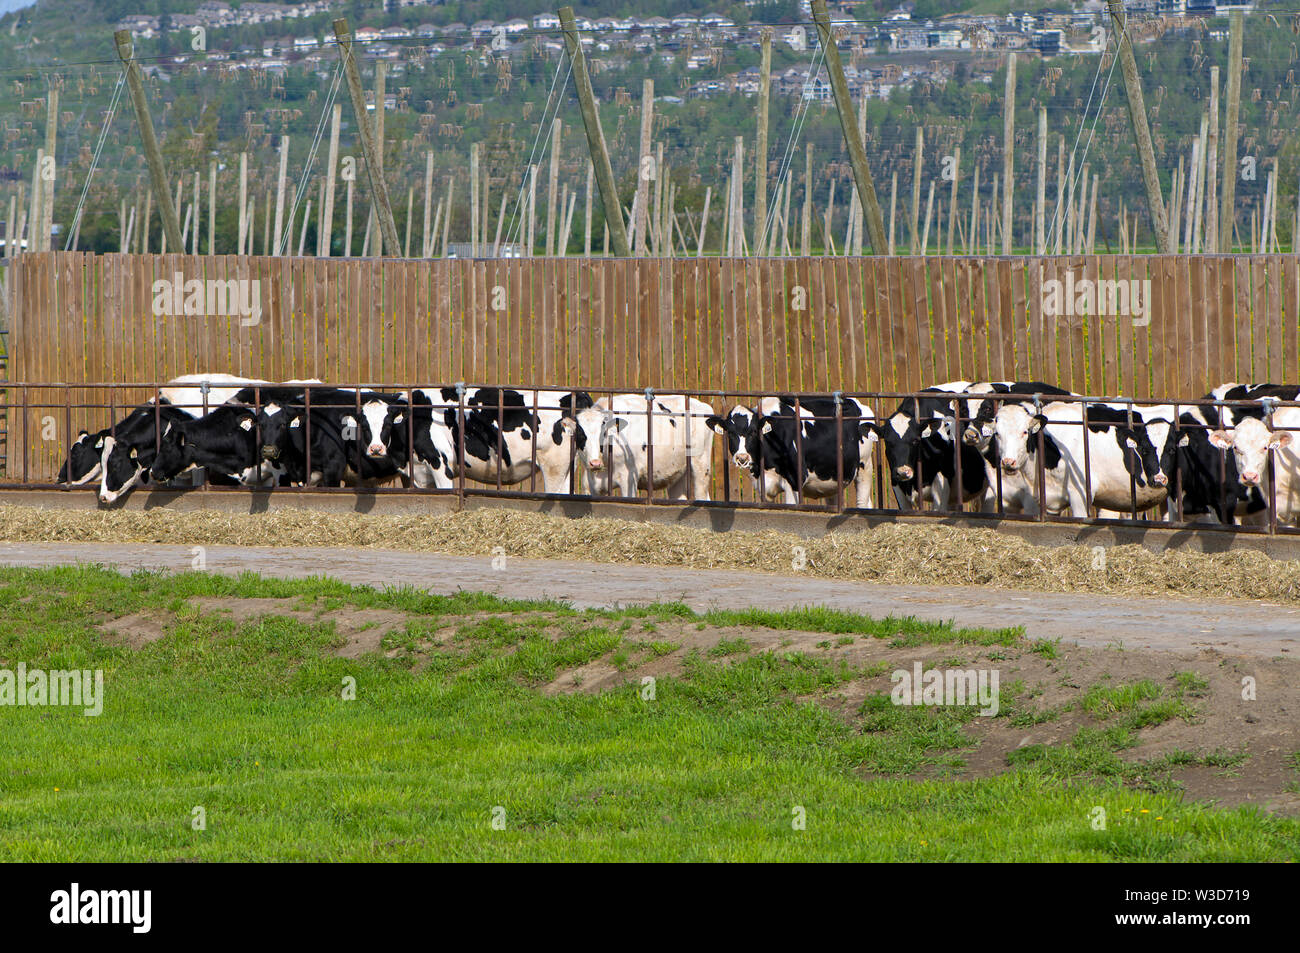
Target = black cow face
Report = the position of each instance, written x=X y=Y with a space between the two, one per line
x=739 y=431
x=902 y=437
x=274 y=422
x=173 y=456
x=84 y=458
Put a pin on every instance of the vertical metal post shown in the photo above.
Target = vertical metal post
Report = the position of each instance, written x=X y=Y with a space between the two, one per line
x=649 y=446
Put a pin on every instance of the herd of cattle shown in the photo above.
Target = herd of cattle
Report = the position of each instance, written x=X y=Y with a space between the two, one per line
x=1012 y=446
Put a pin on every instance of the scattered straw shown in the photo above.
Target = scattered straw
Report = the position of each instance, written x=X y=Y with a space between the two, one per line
x=909 y=555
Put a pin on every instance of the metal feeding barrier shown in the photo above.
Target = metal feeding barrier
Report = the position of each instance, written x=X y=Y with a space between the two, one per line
x=47 y=416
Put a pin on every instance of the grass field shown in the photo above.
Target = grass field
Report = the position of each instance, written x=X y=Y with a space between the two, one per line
x=484 y=729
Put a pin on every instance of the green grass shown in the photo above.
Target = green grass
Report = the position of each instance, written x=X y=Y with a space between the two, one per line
x=248 y=721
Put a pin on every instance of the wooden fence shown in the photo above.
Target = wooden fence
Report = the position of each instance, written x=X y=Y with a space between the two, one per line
x=804 y=324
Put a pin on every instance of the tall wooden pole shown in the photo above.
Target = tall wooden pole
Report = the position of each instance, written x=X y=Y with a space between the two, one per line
x=586 y=229
x=473 y=200
x=644 y=167
x=1141 y=131
x=153 y=155
x=279 y=195
x=805 y=236
x=595 y=136
x=1008 y=151
x=1227 y=202
x=1040 y=198
x=374 y=173
x=331 y=174
x=47 y=183
x=844 y=106
x=1212 y=167
x=917 y=157
x=952 y=202
x=552 y=186
x=426 y=243
x=760 y=145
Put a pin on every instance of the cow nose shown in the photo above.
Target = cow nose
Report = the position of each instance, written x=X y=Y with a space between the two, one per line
x=375 y=450
x=970 y=436
x=1161 y=480
x=904 y=472
x=1008 y=463
x=596 y=464
x=742 y=460
x=270 y=452
x=1250 y=478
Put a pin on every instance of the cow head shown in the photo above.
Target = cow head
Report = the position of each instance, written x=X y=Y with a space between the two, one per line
x=393 y=432
x=902 y=436
x=1016 y=431
x=593 y=430
x=85 y=459
x=739 y=430
x=1250 y=441
x=174 y=454
x=122 y=470
x=274 y=423
x=367 y=428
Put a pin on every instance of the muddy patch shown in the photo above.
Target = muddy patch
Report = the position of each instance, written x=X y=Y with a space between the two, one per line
x=136 y=630
x=363 y=630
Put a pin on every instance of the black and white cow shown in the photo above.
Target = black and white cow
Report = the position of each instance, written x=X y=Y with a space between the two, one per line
x=224 y=443
x=129 y=451
x=614 y=439
x=1252 y=441
x=341 y=447
x=1120 y=457
x=87 y=458
x=762 y=441
x=509 y=435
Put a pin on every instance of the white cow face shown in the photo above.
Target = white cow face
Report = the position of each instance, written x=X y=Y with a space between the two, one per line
x=1250 y=442
x=592 y=431
x=1014 y=427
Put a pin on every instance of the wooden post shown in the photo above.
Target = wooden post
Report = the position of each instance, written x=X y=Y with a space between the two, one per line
x=157 y=172
x=194 y=242
x=925 y=232
x=347 y=227
x=1227 y=202
x=893 y=208
x=552 y=182
x=47 y=182
x=1201 y=164
x=446 y=213
x=1040 y=196
x=474 y=200
x=1141 y=131
x=595 y=136
x=243 y=204
x=501 y=220
x=1212 y=167
x=586 y=215
x=381 y=95
x=704 y=221
x=326 y=239
x=644 y=169
x=378 y=189
x=1008 y=151
x=760 y=144
x=266 y=227
x=975 y=213
x=1058 y=216
x=532 y=210
x=952 y=201
x=212 y=207
x=805 y=237
x=829 y=248
x=917 y=156
x=844 y=107
x=302 y=234
x=426 y=248
x=738 y=198
x=279 y=194
x=410 y=214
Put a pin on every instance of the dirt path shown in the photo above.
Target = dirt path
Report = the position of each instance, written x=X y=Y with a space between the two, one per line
x=1156 y=622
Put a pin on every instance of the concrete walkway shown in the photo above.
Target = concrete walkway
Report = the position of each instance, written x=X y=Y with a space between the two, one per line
x=1163 y=623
